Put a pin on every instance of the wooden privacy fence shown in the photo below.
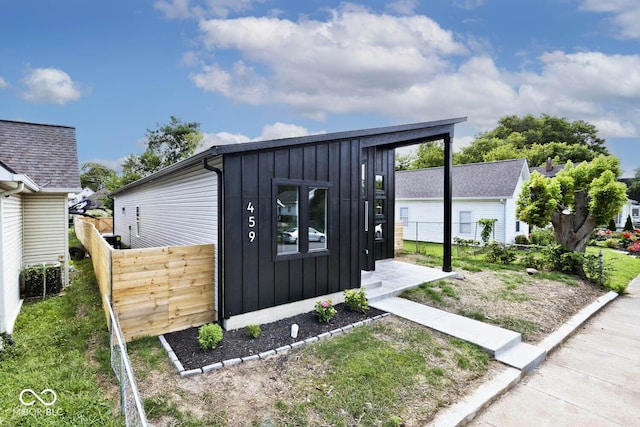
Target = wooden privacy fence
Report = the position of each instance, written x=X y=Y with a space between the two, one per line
x=153 y=290
x=102 y=224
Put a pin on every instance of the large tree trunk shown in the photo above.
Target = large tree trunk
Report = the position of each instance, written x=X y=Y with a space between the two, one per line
x=573 y=230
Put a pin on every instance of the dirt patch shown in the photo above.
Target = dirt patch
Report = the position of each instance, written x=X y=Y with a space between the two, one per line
x=529 y=304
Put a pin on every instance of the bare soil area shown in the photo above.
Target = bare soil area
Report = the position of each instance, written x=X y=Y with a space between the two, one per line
x=250 y=393
x=529 y=304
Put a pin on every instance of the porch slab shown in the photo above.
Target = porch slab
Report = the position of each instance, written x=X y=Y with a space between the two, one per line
x=392 y=277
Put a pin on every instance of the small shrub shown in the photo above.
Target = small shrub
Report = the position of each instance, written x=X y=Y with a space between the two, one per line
x=521 y=239
x=499 y=253
x=634 y=249
x=325 y=311
x=356 y=300
x=487 y=228
x=209 y=336
x=253 y=331
x=532 y=261
x=596 y=270
x=611 y=243
x=628 y=225
x=561 y=259
x=542 y=237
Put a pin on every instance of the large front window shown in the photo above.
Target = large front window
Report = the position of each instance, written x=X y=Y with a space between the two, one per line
x=296 y=213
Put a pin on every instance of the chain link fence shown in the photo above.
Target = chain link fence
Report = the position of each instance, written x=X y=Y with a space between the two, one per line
x=433 y=231
x=130 y=402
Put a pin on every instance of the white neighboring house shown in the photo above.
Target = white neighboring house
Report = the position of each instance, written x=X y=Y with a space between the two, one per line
x=38 y=169
x=77 y=197
x=632 y=208
x=480 y=190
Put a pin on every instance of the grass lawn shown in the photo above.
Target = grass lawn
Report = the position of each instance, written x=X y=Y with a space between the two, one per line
x=61 y=344
x=389 y=373
x=622 y=267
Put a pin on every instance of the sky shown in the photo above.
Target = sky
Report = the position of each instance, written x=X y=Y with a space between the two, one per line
x=250 y=70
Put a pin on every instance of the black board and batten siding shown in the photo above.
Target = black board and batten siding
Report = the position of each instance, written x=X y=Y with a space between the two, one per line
x=256 y=277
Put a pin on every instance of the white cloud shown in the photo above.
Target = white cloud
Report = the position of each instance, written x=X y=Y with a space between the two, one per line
x=411 y=69
x=222 y=138
x=346 y=63
x=3 y=83
x=181 y=9
x=280 y=130
x=403 y=7
x=173 y=9
x=468 y=4
x=625 y=15
x=50 y=86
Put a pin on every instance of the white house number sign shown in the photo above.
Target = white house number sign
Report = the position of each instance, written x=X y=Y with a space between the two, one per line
x=251 y=222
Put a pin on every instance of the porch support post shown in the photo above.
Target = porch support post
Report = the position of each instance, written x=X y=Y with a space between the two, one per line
x=448 y=200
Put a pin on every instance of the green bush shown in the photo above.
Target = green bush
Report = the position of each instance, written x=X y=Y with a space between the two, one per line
x=487 y=228
x=325 y=311
x=209 y=336
x=253 y=331
x=356 y=300
x=499 y=253
x=561 y=259
x=532 y=261
x=612 y=225
x=628 y=225
x=597 y=271
x=611 y=243
x=521 y=239
x=542 y=237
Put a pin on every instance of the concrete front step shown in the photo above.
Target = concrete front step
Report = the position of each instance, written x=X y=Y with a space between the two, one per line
x=523 y=356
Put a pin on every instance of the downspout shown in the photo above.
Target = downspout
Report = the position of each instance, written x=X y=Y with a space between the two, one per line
x=220 y=243
x=504 y=220
x=18 y=189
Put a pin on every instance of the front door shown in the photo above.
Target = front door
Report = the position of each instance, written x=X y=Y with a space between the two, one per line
x=367 y=209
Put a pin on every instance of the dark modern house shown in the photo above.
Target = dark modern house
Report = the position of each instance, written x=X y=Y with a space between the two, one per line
x=293 y=220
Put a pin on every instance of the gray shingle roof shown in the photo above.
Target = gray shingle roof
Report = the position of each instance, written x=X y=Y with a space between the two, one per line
x=47 y=154
x=492 y=179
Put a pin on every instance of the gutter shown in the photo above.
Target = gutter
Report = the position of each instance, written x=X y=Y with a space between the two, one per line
x=220 y=269
x=19 y=188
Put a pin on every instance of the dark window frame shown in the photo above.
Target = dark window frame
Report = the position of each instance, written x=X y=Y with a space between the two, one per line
x=303 y=218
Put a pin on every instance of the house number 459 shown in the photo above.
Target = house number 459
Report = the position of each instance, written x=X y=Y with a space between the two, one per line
x=251 y=221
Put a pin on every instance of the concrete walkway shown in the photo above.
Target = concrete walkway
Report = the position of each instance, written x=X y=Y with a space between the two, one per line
x=591 y=381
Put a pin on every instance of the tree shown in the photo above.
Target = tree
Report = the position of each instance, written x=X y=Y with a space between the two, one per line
x=166 y=145
x=96 y=176
x=575 y=201
x=547 y=129
x=430 y=154
x=536 y=139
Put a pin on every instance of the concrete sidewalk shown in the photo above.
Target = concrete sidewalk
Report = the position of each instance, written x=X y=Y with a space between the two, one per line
x=593 y=379
x=589 y=380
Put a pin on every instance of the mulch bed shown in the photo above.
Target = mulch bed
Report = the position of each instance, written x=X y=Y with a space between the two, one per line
x=238 y=343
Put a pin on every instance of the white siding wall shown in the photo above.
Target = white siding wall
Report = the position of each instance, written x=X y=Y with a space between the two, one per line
x=178 y=209
x=430 y=216
x=46 y=230
x=10 y=260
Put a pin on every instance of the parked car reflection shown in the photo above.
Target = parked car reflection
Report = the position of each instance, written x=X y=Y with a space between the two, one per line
x=291 y=235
